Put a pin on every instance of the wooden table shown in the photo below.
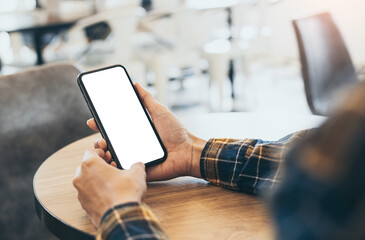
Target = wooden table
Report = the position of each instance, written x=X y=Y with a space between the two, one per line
x=188 y=208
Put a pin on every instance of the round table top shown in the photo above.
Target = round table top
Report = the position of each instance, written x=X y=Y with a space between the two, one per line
x=188 y=208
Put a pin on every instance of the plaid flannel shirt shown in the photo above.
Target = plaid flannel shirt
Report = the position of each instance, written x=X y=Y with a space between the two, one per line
x=248 y=165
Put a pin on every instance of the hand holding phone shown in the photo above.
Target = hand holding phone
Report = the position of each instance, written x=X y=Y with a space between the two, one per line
x=121 y=117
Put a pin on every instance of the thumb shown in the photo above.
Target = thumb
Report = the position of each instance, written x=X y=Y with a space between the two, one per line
x=138 y=168
x=149 y=102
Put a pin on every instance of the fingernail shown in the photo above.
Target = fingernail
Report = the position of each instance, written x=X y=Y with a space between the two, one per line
x=141 y=164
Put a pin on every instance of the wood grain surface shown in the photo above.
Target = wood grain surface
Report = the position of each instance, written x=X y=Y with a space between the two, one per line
x=188 y=208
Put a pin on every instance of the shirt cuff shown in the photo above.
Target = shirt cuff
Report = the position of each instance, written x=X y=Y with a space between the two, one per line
x=130 y=220
x=211 y=158
x=124 y=205
x=223 y=160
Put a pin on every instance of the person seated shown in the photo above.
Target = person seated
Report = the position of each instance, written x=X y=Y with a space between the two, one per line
x=314 y=176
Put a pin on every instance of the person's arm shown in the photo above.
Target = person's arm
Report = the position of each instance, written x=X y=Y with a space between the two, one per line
x=113 y=198
x=249 y=165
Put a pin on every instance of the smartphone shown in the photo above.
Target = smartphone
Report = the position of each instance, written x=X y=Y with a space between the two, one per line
x=122 y=119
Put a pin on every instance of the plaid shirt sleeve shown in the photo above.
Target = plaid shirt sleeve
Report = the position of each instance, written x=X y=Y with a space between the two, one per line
x=130 y=221
x=249 y=165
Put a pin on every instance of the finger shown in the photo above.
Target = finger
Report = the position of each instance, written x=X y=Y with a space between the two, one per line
x=101 y=153
x=148 y=101
x=100 y=144
x=108 y=157
x=137 y=165
x=138 y=171
x=138 y=168
x=92 y=124
x=113 y=164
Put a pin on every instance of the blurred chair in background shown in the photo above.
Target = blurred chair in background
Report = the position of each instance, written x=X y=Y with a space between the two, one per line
x=42 y=110
x=327 y=67
x=218 y=54
x=186 y=35
x=175 y=48
x=227 y=50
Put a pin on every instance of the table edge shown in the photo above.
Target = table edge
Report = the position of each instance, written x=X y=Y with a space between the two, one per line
x=58 y=227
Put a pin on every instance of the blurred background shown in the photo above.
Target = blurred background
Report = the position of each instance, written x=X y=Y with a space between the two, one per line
x=194 y=56
x=277 y=57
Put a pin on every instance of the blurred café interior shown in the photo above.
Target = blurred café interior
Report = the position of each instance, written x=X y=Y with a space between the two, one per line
x=194 y=56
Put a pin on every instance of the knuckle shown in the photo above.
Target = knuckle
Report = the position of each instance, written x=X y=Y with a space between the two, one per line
x=87 y=164
x=76 y=182
x=100 y=152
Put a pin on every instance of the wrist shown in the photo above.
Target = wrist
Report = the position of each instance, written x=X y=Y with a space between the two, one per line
x=197 y=146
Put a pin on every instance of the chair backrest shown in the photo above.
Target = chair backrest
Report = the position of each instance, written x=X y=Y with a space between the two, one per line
x=41 y=110
x=327 y=67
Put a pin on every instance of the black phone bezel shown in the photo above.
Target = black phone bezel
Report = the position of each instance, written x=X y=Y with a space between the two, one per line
x=100 y=125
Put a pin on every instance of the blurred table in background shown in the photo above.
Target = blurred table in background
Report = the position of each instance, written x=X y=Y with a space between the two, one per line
x=38 y=23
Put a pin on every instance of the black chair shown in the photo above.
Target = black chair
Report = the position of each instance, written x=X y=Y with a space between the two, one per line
x=327 y=67
x=41 y=110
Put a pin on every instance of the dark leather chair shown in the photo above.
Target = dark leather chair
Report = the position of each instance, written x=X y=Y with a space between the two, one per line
x=327 y=67
x=41 y=110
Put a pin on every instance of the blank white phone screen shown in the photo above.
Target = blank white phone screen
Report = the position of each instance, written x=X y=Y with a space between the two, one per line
x=121 y=114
